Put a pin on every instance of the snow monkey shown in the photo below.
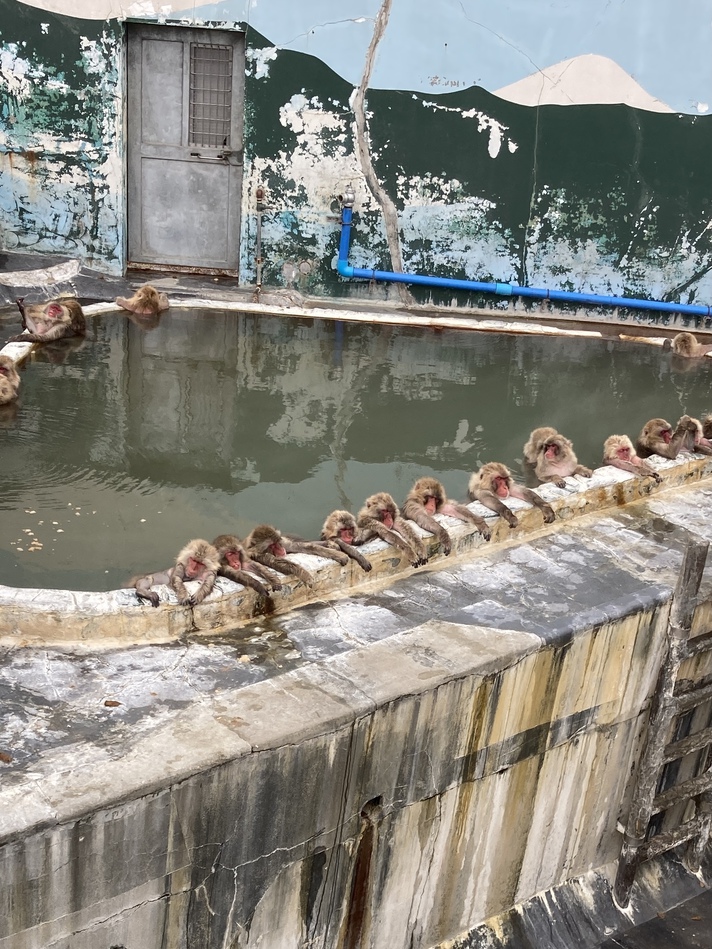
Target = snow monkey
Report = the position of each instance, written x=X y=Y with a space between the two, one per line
x=266 y=545
x=237 y=565
x=380 y=517
x=198 y=560
x=146 y=301
x=493 y=483
x=427 y=497
x=658 y=438
x=695 y=439
x=339 y=531
x=553 y=457
x=46 y=322
x=618 y=451
x=9 y=380
x=685 y=345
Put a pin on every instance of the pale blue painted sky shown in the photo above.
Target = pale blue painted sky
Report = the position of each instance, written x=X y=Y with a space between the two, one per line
x=664 y=45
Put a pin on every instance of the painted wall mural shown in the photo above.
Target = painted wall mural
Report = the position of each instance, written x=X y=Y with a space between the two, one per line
x=554 y=144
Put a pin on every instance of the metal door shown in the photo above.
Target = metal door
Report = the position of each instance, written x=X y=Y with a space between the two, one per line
x=185 y=119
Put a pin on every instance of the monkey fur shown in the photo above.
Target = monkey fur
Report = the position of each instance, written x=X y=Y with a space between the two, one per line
x=426 y=498
x=494 y=482
x=146 y=301
x=619 y=452
x=380 y=517
x=553 y=457
x=657 y=437
x=47 y=322
x=265 y=545
x=198 y=560
x=9 y=380
x=685 y=345
x=339 y=531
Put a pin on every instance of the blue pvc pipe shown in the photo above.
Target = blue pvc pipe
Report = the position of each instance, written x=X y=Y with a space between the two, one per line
x=500 y=289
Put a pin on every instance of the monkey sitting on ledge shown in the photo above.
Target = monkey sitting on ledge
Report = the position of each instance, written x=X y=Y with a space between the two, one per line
x=427 y=497
x=618 y=451
x=553 y=457
x=47 y=322
x=494 y=483
x=198 y=560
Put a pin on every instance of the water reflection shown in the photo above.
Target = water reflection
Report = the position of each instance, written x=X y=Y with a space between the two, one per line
x=135 y=441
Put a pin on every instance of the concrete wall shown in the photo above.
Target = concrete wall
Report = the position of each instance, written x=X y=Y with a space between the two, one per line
x=495 y=768
x=557 y=145
x=432 y=756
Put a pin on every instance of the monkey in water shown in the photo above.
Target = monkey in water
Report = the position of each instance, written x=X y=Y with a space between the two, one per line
x=146 y=301
x=46 y=322
x=266 y=546
x=9 y=380
x=339 y=531
x=380 y=517
x=494 y=483
x=696 y=440
x=657 y=437
x=685 y=345
x=427 y=497
x=618 y=451
x=553 y=457
x=198 y=560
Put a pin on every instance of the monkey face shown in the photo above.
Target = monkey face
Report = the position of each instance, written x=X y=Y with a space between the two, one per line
x=385 y=516
x=234 y=559
x=346 y=534
x=623 y=453
x=193 y=568
x=551 y=450
x=666 y=435
x=430 y=503
x=501 y=486
x=277 y=549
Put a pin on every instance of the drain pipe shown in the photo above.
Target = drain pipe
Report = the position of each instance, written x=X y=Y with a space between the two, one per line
x=344 y=269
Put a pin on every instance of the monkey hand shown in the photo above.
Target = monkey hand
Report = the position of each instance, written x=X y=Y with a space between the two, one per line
x=152 y=597
x=559 y=482
x=512 y=519
x=548 y=514
x=656 y=477
x=486 y=533
x=18 y=339
x=275 y=584
x=367 y=566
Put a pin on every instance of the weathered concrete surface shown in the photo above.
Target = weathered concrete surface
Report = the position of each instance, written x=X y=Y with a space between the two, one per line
x=396 y=766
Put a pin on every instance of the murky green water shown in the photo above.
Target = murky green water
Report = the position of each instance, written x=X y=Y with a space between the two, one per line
x=214 y=422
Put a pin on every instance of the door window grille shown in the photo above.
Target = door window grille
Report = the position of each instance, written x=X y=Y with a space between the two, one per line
x=210 y=94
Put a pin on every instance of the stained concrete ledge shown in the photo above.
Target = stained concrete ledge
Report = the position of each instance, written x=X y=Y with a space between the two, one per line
x=104 y=620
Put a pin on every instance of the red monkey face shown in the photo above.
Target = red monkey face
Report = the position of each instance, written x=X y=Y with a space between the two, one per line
x=278 y=549
x=551 y=451
x=624 y=454
x=386 y=518
x=666 y=435
x=53 y=311
x=430 y=504
x=193 y=568
x=501 y=487
x=234 y=559
x=346 y=534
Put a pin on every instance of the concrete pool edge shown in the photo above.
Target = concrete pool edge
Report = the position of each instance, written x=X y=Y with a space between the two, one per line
x=33 y=617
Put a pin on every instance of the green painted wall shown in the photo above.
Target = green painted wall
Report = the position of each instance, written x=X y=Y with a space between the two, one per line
x=597 y=198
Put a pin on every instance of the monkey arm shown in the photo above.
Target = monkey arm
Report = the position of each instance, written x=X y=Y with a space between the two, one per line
x=583 y=471
x=491 y=501
x=267 y=575
x=243 y=577
x=315 y=549
x=463 y=513
x=282 y=565
x=353 y=554
x=56 y=332
x=370 y=527
x=143 y=589
x=413 y=511
x=176 y=582
x=406 y=531
x=640 y=469
x=531 y=497
x=204 y=589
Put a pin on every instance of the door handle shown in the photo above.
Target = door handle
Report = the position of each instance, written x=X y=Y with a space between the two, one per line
x=223 y=156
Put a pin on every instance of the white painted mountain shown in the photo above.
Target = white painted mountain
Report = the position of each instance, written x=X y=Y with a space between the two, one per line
x=583 y=80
